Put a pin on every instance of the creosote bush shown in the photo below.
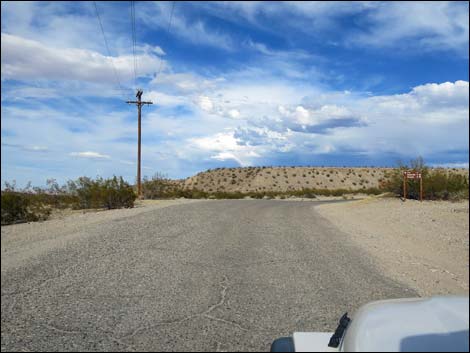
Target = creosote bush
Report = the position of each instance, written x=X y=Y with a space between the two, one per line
x=18 y=207
x=102 y=193
x=35 y=204
x=438 y=183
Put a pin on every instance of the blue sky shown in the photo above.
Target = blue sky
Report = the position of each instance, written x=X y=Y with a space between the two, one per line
x=238 y=84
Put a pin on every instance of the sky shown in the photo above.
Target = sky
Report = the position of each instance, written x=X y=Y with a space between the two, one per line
x=232 y=84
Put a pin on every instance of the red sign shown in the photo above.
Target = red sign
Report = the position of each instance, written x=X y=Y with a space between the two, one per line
x=413 y=175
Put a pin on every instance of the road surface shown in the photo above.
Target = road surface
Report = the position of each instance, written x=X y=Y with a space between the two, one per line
x=215 y=275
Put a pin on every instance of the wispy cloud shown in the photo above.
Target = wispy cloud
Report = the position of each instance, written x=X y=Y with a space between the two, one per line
x=195 y=31
x=90 y=154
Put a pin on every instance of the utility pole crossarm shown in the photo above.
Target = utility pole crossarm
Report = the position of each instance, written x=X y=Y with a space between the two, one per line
x=137 y=102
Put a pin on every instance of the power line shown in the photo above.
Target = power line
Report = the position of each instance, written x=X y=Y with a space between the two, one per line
x=167 y=34
x=107 y=47
x=134 y=41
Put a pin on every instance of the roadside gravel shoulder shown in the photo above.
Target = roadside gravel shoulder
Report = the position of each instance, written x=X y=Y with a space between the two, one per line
x=425 y=245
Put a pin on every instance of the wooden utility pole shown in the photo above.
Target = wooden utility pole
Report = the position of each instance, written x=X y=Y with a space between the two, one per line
x=139 y=104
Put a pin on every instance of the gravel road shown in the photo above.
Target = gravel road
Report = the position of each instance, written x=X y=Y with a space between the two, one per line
x=213 y=275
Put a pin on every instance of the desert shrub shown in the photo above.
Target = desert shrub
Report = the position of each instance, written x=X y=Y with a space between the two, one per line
x=102 y=193
x=159 y=186
x=309 y=195
x=458 y=195
x=18 y=207
x=31 y=204
x=438 y=184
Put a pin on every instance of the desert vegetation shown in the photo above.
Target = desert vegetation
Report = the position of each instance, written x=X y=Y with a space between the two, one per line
x=438 y=183
x=34 y=203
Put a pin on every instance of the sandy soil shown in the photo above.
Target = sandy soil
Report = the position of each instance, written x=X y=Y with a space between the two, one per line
x=425 y=245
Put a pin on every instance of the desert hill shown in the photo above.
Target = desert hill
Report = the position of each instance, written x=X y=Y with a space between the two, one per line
x=281 y=179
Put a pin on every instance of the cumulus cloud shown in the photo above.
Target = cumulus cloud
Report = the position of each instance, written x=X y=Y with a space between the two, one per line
x=225 y=145
x=320 y=120
x=381 y=124
x=444 y=94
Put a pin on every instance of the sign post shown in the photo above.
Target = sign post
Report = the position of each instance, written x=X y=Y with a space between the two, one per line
x=413 y=175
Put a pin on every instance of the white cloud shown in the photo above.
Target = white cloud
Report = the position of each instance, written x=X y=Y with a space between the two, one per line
x=205 y=103
x=224 y=141
x=164 y=99
x=450 y=165
x=447 y=93
x=409 y=25
x=25 y=59
x=302 y=115
x=90 y=154
x=225 y=146
x=234 y=113
x=313 y=116
x=429 y=119
x=39 y=148
x=184 y=82
x=146 y=48
x=196 y=31
x=417 y=26
x=223 y=156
